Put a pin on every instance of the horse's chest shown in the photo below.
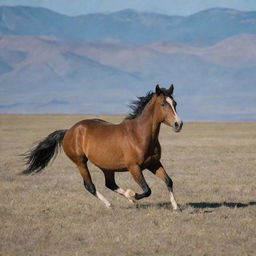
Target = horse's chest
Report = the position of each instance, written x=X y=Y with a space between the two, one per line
x=147 y=157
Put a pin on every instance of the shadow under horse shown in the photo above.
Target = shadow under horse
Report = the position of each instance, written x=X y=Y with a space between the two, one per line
x=203 y=205
x=196 y=205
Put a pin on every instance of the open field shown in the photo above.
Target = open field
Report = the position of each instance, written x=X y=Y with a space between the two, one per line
x=213 y=168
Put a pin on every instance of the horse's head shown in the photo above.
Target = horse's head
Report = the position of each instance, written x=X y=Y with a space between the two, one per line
x=166 y=108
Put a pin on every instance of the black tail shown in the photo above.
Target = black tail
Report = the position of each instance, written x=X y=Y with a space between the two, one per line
x=39 y=156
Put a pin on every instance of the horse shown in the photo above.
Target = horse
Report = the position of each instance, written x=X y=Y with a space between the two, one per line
x=131 y=145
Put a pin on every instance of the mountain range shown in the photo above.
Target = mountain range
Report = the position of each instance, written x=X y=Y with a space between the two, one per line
x=96 y=63
x=128 y=26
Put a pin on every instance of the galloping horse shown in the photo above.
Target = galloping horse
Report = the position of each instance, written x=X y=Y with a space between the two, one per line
x=132 y=145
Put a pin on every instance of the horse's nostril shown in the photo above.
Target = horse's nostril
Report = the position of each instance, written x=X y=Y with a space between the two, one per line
x=176 y=125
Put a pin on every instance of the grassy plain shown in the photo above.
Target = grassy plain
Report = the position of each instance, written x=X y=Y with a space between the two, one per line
x=213 y=168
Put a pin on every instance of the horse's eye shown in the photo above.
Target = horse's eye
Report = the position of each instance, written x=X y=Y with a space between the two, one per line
x=163 y=104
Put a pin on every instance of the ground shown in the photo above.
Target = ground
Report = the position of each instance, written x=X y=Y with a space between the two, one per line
x=213 y=169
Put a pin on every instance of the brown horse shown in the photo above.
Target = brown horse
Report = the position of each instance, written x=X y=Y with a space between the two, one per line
x=132 y=145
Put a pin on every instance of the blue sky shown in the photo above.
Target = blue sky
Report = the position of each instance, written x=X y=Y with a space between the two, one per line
x=178 y=7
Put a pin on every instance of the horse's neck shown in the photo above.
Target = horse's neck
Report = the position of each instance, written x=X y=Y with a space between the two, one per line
x=147 y=124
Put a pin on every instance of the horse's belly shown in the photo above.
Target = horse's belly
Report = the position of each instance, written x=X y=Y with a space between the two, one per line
x=110 y=158
x=106 y=163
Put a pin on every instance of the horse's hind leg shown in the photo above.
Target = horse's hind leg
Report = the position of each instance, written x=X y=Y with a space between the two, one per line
x=111 y=184
x=83 y=168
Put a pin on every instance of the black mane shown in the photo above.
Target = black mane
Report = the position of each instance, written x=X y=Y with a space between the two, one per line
x=138 y=105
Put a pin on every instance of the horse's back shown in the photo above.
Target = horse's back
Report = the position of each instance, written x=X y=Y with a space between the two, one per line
x=98 y=127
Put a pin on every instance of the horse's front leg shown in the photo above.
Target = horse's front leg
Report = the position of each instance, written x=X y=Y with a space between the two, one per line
x=137 y=175
x=160 y=172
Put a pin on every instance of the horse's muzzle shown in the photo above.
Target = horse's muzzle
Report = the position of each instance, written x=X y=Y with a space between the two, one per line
x=177 y=126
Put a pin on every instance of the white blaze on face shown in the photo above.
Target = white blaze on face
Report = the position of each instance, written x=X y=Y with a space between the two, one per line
x=170 y=102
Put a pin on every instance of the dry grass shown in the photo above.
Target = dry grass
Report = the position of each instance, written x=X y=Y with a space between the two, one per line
x=213 y=168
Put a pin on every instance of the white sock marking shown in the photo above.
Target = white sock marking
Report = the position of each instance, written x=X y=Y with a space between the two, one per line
x=103 y=199
x=120 y=191
x=129 y=194
x=174 y=204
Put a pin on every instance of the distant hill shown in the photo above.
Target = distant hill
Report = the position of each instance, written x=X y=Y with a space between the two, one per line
x=50 y=70
x=128 y=26
x=97 y=63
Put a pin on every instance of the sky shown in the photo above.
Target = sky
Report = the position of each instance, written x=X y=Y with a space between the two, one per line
x=171 y=7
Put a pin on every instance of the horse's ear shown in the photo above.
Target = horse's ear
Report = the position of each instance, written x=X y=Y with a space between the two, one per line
x=170 y=90
x=158 y=90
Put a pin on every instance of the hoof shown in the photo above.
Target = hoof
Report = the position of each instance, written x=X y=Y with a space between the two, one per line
x=109 y=206
x=130 y=195
x=177 y=209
